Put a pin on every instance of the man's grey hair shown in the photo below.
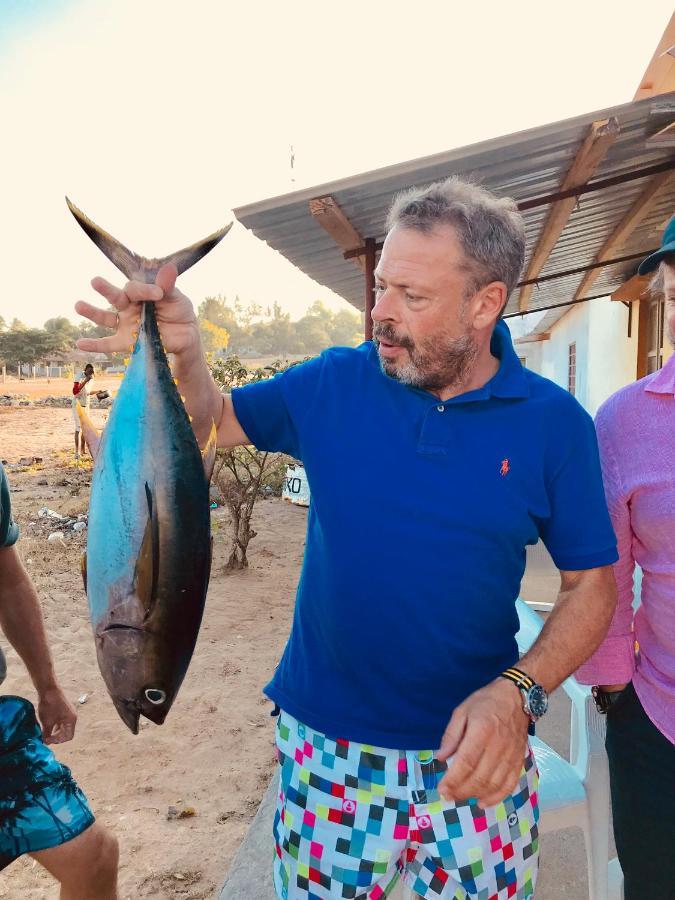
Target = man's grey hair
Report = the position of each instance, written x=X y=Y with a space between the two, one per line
x=490 y=228
x=656 y=286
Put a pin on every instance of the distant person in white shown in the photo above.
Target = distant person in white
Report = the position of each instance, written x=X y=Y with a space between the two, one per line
x=82 y=390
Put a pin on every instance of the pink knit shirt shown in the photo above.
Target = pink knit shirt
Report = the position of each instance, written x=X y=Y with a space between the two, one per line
x=636 y=436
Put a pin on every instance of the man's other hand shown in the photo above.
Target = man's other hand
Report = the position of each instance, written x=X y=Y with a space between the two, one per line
x=487 y=738
x=57 y=716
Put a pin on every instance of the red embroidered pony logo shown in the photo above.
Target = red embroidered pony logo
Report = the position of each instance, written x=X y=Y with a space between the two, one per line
x=506 y=468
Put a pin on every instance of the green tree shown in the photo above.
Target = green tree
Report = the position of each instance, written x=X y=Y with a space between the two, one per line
x=217 y=311
x=31 y=345
x=62 y=325
x=313 y=334
x=214 y=337
x=346 y=329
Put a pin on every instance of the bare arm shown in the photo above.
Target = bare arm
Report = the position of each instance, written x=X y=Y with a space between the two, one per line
x=487 y=734
x=180 y=336
x=205 y=403
x=21 y=621
x=575 y=628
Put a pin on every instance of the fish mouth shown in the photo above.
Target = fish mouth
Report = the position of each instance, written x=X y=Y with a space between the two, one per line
x=118 y=626
x=128 y=712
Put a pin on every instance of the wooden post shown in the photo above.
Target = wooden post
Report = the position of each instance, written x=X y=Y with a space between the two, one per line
x=370 y=287
x=642 y=340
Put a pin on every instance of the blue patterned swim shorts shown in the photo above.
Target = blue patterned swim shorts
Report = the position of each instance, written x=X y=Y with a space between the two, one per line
x=352 y=820
x=40 y=804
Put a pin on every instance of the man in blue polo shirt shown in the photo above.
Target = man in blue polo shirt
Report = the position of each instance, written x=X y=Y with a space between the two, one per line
x=405 y=710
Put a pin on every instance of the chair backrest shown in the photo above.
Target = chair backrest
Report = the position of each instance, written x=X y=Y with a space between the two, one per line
x=587 y=727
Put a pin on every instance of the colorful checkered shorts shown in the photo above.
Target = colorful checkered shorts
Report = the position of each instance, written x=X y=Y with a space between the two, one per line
x=352 y=820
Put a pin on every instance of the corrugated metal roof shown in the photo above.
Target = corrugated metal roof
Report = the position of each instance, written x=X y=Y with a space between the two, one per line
x=524 y=165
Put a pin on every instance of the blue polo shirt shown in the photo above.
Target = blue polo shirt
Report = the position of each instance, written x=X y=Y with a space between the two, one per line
x=420 y=515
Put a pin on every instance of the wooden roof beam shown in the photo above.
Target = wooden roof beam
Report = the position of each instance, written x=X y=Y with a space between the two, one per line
x=663 y=138
x=327 y=213
x=599 y=139
x=627 y=225
x=534 y=338
x=636 y=288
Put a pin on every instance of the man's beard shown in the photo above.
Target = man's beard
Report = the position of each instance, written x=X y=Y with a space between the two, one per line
x=437 y=362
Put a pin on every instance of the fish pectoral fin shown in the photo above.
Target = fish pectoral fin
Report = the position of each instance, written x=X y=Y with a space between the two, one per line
x=91 y=434
x=147 y=564
x=83 y=568
x=209 y=452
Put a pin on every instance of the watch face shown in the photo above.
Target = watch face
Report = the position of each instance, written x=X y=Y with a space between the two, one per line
x=537 y=700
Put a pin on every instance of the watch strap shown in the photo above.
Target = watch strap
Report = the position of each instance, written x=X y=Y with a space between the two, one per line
x=519 y=678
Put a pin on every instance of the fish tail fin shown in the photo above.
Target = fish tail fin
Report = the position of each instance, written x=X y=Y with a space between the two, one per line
x=209 y=452
x=138 y=267
x=91 y=434
x=117 y=253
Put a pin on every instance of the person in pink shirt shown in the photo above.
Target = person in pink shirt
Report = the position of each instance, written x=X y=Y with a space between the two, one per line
x=633 y=670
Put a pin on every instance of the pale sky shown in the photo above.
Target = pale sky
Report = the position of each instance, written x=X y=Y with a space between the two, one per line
x=157 y=117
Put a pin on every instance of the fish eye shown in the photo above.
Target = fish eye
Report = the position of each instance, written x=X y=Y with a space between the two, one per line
x=154 y=695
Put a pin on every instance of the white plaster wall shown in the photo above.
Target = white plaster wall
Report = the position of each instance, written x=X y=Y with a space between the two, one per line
x=612 y=360
x=606 y=356
x=572 y=328
x=531 y=353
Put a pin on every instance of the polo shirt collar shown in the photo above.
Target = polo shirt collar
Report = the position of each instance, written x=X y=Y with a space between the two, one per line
x=663 y=381
x=510 y=380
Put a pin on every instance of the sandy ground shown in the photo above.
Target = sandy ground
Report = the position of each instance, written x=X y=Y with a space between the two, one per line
x=34 y=388
x=214 y=753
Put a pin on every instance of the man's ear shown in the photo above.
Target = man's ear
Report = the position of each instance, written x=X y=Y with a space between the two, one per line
x=488 y=304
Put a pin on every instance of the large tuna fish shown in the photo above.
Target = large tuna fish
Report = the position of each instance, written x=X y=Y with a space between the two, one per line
x=146 y=569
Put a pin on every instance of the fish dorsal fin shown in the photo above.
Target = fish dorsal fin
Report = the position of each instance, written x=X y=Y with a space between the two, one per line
x=138 y=267
x=147 y=564
x=83 y=569
x=209 y=452
x=91 y=434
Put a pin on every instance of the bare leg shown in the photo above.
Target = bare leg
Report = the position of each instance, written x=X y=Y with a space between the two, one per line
x=83 y=444
x=77 y=444
x=86 y=867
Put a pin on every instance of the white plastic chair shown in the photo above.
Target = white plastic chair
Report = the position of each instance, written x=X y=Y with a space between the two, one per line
x=575 y=793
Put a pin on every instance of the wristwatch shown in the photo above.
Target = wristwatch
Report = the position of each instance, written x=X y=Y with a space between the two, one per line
x=535 y=698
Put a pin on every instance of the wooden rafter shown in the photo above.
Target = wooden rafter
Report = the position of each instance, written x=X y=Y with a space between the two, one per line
x=660 y=75
x=636 y=288
x=599 y=139
x=534 y=338
x=626 y=227
x=663 y=138
x=327 y=213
